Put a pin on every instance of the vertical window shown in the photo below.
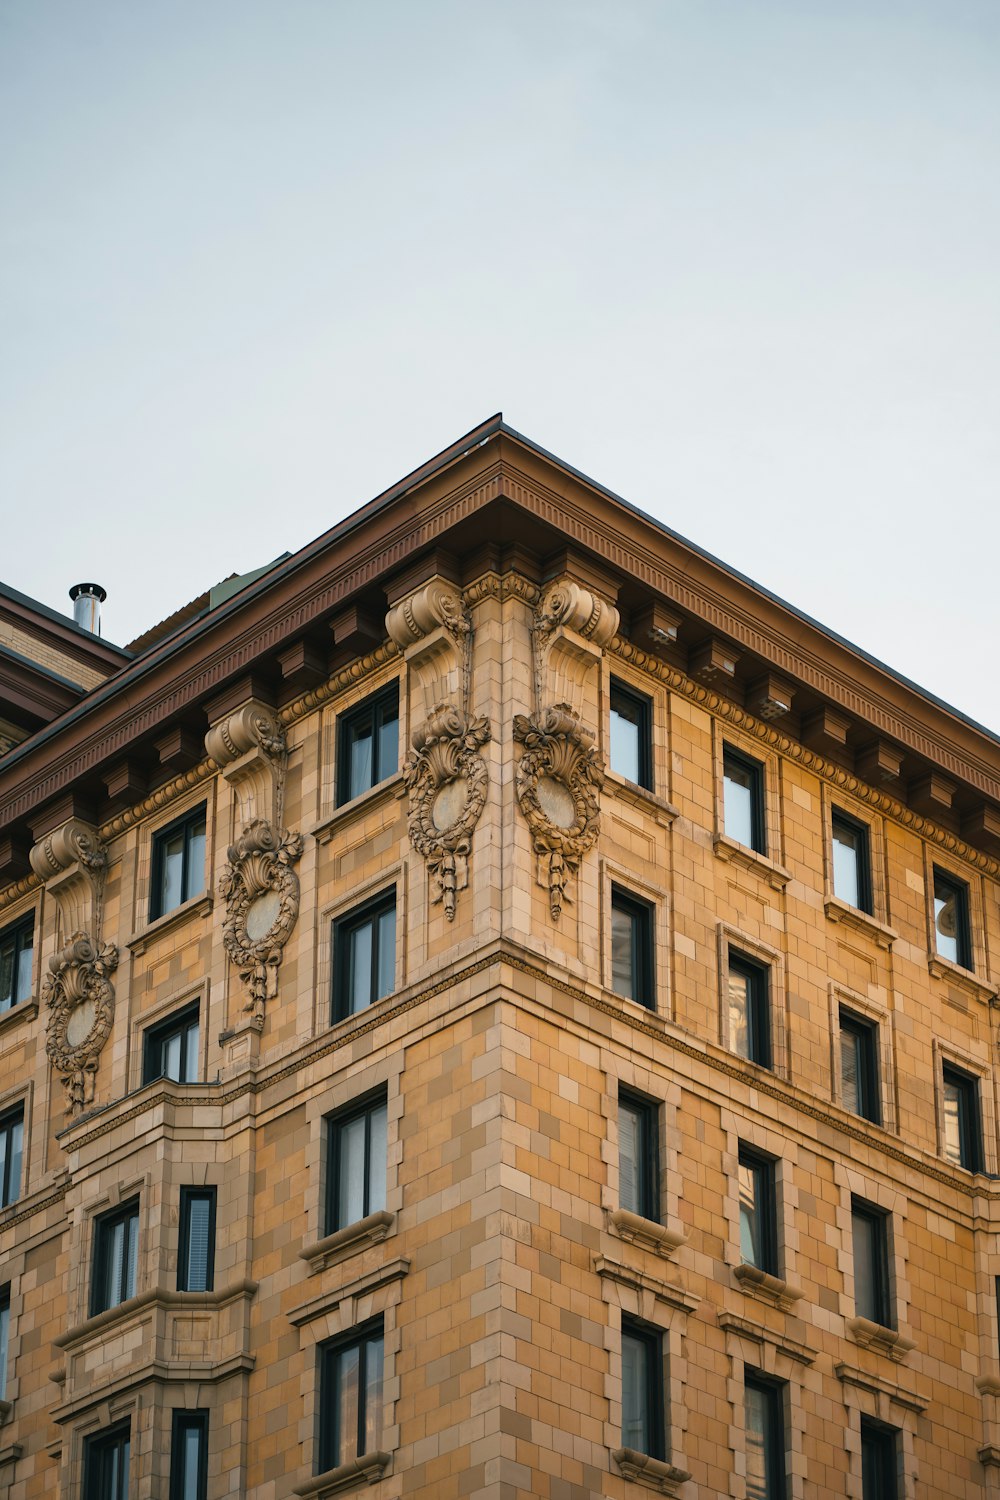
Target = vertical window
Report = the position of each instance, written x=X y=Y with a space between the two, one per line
x=765 y=1438
x=170 y=1050
x=963 y=1129
x=642 y=1389
x=105 y=1465
x=15 y=963
x=952 y=938
x=196 y=1241
x=11 y=1149
x=852 y=878
x=632 y=947
x=178 y=863
x=364 y=956
x=116 y=1257
x=869 y=1227
x=749 y=1009
x=189 y=1456
x=859 y=1072
x=350 y=1421
x=758 y=1212
x=356 y=1157
x=638 y=1156
x=4 y=1337
x=878 y=1461
x=631 y=736
x=368 y=744
x=743 y=799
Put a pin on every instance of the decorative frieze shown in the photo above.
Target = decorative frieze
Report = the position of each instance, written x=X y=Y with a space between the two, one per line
x=261 y=892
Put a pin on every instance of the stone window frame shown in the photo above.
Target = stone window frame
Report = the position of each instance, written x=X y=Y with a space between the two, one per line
x=878 y=1015
x=11 y=1276
x=658 y=898
x=16 y=916
x=854 y=1182
x=655 y=799
x=665 y=1236
x=981 y=1070
x=753 y=1131
x=868 y=1395
x=876 y=922
x=139 y=1024
x=84 y=1228
x=753 y=1345
x=977 y=979
x=392 y=876
x=329 y=810
x=23 y=1094
x=728 y=936
x=121 y=1406
x=770 y=865
x=143 y=927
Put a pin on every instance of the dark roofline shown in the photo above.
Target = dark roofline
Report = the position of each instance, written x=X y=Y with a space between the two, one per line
x=64 y=622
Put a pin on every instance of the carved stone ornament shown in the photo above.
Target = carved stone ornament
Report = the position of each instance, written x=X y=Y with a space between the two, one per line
x=249 y=746
x=447 y=779
x=579 y=612
x=558 y=781
x=261 y=892
x=81 y=1002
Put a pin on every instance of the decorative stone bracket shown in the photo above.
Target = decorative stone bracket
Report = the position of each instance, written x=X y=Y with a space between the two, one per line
x=261 y=892
x=81 y=1002
x=433 y=630
x=558 y=780
x=571 y=628
x=249 y=747
x=72 y=862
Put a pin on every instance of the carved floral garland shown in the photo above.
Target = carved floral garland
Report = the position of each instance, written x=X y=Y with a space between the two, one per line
x=259 y=863
x=558 y=749
x=77 y=987
x=445 y=753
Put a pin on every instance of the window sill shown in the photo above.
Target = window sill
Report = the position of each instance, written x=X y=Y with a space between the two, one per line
x=758 y=1283
x=652 y=1472
x=24 y=1010
x=160 y=1297
x=335 y=1247
x=641 y=797
x=943 y=968
x=739 y=854
x=368 y=1468
x=860 y=921
x=887 y=1341
x=989 y=1385
x=386 y=791
x=646 y=1233
x=197 y=906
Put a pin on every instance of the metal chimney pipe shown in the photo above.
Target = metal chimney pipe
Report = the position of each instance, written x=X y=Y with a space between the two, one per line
x=87 y=600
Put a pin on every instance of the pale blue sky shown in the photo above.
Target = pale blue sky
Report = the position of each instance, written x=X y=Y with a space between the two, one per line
x=736 y=259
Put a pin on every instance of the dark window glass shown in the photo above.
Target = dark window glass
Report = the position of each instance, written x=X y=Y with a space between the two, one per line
x=852 y=881
x=189 y=1456
x=859 y=1075
x=196 y=1241
x=170 y=1050
x=963 y=1130
x=4 y=1337
x=105 y=1465
x=632 y=948
x=350 y=1420
x=749 y=1009
x=638 y=1156
x=631 y=736
x=15 y=963
x=871 y=1263
x=364 y=956
x=952 y=939
x=116 y=1257
x=878 y=1461
x=11 y=1150
x=178 y=863
x=758 y=1212
x=368 y=744
x=743 y=799
x=765 y=1438
x=642 y=1389
x=356 y=1157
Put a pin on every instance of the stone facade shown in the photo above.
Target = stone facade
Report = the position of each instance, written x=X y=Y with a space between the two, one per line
x=502 y=1262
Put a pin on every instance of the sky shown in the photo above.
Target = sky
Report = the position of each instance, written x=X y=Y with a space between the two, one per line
x=735 y=259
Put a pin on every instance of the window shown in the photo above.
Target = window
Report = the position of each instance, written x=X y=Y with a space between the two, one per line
x=364 y=956
x=15 y=963
x=952 y=939
x=743 y=799
x=105 y=1465
x=356 y=1157
x=170 y=1050
x=189 y=1456
x=4 y=1337
x=632 y=947
x=196 y=1241
x=350 y=1421
x=852 y=874
x=368 y=744
x=878 y=1461
x=869 y=1227
x=758 y=1216
x=642 y=1389
x=638 y=1156
x=631 y=736
x=116 y=1257
x=749 y=1002
x=963 y=1129
x=11 y=1147
x=859 y=1071
x=765 y=1438
x=178 y=863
